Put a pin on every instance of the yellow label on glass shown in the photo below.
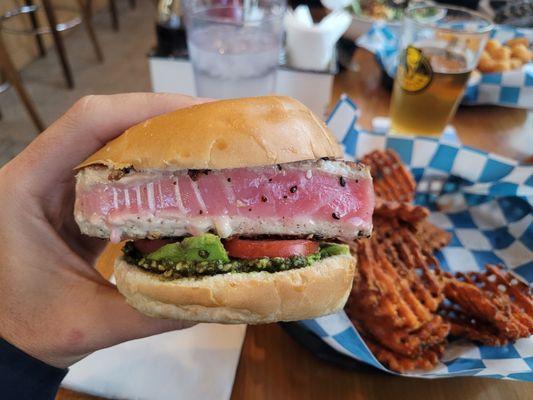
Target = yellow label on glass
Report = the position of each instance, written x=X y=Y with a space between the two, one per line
x=414 y=71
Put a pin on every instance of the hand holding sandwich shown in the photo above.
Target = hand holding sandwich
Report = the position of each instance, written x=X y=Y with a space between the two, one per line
x=232 y=211
x=53 y=304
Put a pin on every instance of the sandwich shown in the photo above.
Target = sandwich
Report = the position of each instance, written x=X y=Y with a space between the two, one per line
x=232 y=211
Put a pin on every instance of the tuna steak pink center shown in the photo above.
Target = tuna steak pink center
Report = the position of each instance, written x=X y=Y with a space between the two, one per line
x=328 y=199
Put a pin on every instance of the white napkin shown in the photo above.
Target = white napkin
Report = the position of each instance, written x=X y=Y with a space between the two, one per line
x=196 y=363
x=310 y=46
x=336 y=4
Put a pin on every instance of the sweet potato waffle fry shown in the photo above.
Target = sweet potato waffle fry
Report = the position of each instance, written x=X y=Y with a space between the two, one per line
x=431 y=237
x=392 y=180
x=464 y=326
x=396 y=362
x=417 y=266
x=403 y=305
x=386 y=305
x=403 y=211
x=492 y=307
x=384 y=291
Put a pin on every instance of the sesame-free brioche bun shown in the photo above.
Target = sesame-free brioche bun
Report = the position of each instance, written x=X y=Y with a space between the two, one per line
x=251 y=298
x=222 y=134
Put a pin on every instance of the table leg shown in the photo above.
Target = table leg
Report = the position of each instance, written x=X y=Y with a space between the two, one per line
x=114 y=14
x=12 y=75
x=58 y=41
x=86 y=11
x=35 y=25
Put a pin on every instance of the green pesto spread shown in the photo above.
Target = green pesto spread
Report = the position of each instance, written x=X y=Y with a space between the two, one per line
x=206 y=247
x=205 y=255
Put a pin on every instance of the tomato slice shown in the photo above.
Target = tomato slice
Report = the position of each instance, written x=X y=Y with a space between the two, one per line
x=250 y=249
x=147 y=246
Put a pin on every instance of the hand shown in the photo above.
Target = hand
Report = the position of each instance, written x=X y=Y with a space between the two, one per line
x=53 y=304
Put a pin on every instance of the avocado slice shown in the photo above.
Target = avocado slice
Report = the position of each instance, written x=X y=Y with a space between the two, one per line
x=333 y=249
x=206 y=247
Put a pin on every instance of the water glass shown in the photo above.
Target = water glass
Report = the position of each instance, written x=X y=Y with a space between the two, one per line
x=234 y=45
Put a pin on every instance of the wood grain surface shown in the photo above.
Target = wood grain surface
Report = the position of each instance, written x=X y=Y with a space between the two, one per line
x=273 y=366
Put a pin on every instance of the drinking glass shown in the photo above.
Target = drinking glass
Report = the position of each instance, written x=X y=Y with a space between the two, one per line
x=440 y=46
x=234 y=45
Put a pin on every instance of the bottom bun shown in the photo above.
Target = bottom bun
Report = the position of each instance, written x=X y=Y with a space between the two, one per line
x=235 y=298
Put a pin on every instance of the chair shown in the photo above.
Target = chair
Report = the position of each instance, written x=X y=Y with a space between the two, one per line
x=12 y=77
x=84 y=14
x=114 y=12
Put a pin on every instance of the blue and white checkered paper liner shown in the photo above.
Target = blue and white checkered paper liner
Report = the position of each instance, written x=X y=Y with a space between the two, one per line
x=511 y=88
x=485 y=201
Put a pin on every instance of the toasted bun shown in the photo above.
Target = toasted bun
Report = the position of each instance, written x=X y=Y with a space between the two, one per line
x=222 y=134
x=250 y=298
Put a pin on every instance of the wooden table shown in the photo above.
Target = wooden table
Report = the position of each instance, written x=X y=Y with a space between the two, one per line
x=273 y=366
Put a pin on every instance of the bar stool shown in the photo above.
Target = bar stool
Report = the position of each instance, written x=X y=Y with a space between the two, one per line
x=12 y=77
x=114 y=12
x=83 y=14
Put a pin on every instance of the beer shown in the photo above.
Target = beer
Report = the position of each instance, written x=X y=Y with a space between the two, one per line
x=170 y=29
x=427 y=90
x=171 y=40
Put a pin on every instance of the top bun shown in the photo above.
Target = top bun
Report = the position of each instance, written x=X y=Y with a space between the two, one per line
x=222 y=134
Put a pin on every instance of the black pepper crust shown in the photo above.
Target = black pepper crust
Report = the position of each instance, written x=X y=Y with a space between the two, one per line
x=194 y=173
x=117 y=174
x=342 y=181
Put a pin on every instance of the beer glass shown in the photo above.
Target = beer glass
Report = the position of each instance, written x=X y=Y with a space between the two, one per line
x=439 y=47
x=234 y=45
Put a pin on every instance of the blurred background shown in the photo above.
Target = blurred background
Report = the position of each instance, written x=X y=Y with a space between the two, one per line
x=125 y=67
x=140 y=45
